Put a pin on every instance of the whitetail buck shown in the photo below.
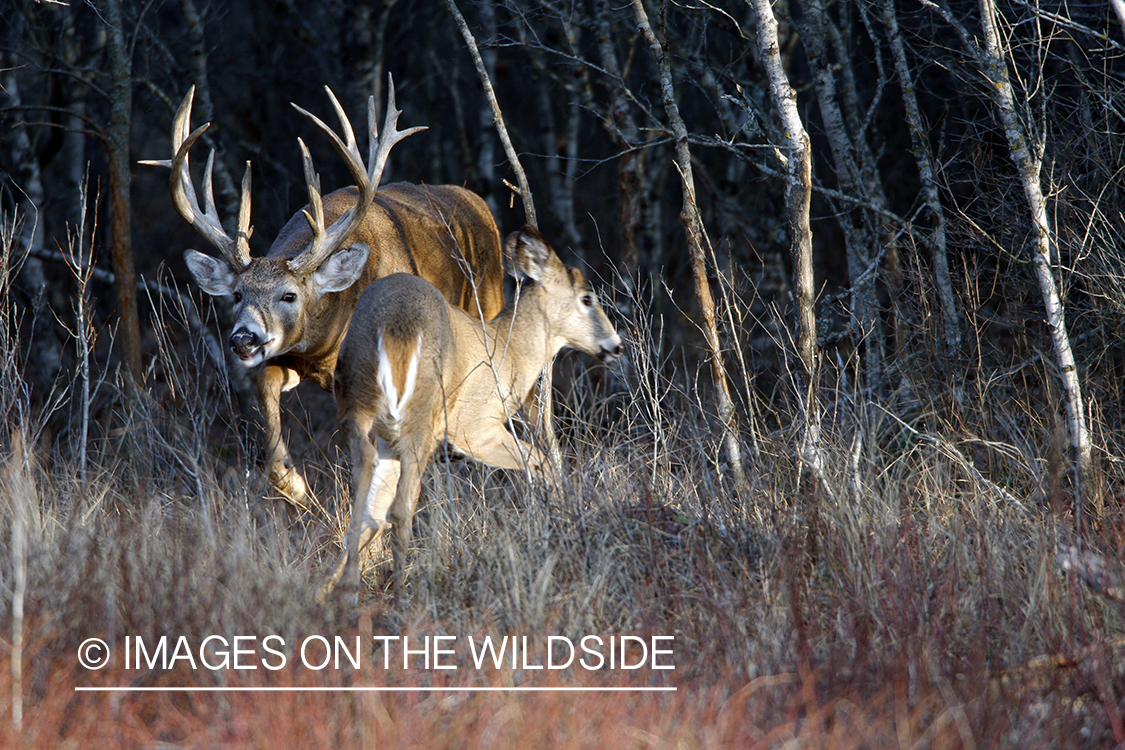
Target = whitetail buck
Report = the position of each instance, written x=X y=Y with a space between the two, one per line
x=292 y=307
x=415 y=371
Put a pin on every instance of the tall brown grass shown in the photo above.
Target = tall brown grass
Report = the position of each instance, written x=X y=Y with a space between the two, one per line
x=925 y=610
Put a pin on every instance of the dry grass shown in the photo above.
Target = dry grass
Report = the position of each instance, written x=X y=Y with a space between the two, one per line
x=913 y=613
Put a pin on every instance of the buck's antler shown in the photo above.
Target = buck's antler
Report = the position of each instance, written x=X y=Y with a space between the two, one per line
x=206 y=221
x=326 y=240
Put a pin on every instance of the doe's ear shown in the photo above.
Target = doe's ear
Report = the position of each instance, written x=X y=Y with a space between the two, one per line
x=342 y=269
x=529 y=252
x=214 y=275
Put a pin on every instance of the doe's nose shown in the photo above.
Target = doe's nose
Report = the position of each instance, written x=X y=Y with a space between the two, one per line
x=612 y=350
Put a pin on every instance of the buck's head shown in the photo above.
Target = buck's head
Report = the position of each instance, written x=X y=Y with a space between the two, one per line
x=572 y=312
x=276 y=296
x=272 y=299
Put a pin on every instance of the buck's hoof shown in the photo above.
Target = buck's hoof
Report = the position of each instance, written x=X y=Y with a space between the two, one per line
x=292 y=488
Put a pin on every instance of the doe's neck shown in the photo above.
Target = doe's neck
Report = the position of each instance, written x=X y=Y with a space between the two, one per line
x=523 y=331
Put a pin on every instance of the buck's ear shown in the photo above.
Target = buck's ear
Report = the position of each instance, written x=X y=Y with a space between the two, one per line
x=214 y=276
x=342 y=268
x=529 y=252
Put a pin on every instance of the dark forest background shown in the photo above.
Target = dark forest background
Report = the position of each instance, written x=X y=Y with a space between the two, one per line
x=580 y=96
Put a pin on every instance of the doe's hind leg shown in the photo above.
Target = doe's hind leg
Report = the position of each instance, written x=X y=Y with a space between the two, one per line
x=375 y=474
x=415 y=458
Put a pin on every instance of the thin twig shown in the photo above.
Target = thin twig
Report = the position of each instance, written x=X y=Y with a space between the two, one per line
x=497 y=115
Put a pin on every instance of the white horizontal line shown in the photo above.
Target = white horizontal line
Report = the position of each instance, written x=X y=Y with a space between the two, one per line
x=361 y=689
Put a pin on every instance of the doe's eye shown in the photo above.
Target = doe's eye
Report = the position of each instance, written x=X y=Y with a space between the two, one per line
x=237 y=297
x=588 y=300
x=289 y=297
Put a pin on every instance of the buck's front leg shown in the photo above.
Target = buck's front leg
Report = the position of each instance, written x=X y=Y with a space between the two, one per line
x=272 y=380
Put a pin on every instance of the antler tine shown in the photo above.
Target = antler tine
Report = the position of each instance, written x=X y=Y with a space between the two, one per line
x=348 y=151
x=312 y=180
x=326 y=240
x=345 y=124
x=390 y=136
x=245 y=231
x=242 y=237
x=184 y=197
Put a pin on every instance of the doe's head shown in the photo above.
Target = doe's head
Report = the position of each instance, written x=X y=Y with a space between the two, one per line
x=574 y=315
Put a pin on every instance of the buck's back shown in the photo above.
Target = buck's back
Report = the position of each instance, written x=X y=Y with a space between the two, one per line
x=435 y=232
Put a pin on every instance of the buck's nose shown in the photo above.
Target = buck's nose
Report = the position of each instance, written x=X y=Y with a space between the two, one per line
x=243 y=342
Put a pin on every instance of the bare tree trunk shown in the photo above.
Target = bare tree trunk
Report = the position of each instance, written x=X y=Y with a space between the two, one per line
x=47 y=353
x=230 y=199
x=489 y=112
x=540 y=402
x=20 y=491
x=559 y=144
x=74 y=139
x=120 y=178
x=1028 y=163
x=228 y=193
x=693 y=226
x=860 y=229
x=1119 y=11
x=372 y=39
x=570 y=162
x=621 y=127
x=937 y=243
x=992 y=62
x=798 y=196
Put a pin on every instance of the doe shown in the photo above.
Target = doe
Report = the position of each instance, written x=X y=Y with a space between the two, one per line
x=415 y=370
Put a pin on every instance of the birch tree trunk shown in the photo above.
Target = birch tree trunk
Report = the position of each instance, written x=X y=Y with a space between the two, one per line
x=1119 y=11
x=693 y=226
x=371 y=39
x=992 y=62
x=540 y=403
x=798 y=196
x=230 y=200
x=486 y=69
x=1028 y=164
x=621 y=127
x=559 y=135
x=47 y=353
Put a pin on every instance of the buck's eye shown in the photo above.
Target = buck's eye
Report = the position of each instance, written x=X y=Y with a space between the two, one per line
x=289 y=297
x=588 y=300
x=237 y=297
